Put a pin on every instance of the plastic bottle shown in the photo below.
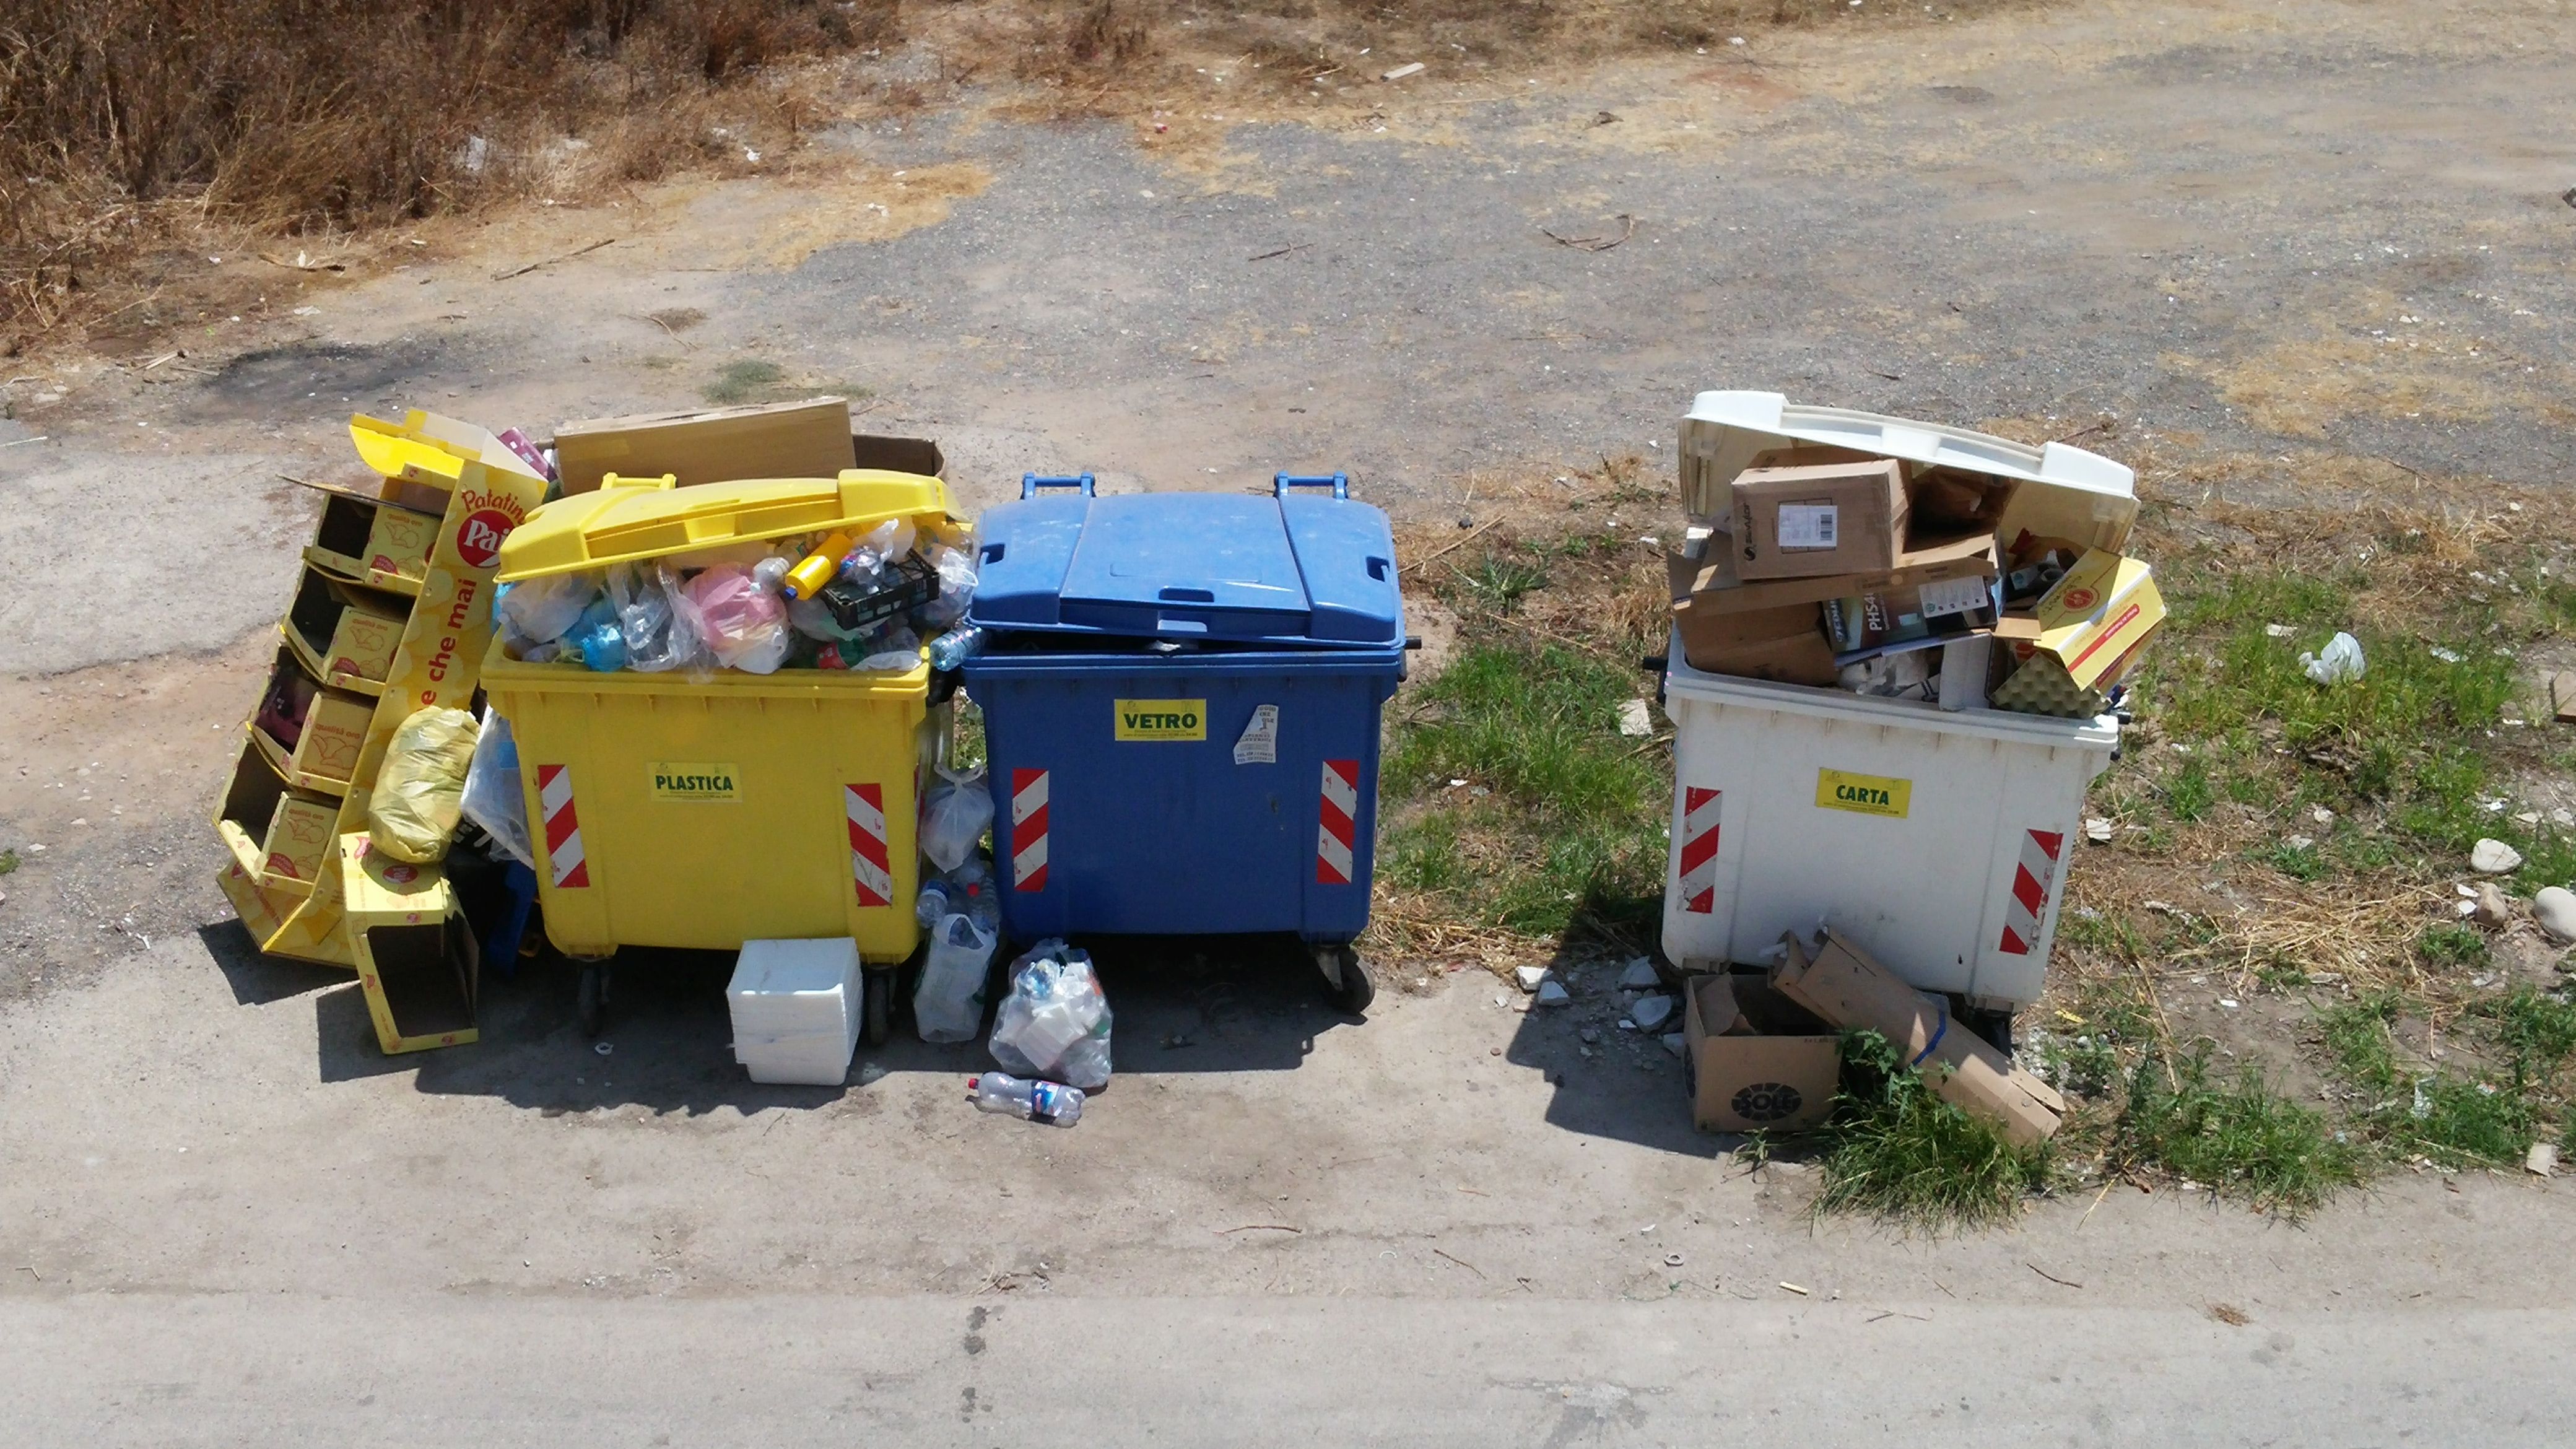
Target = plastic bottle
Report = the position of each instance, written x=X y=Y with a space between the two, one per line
x=932 y=904
x=953 y=648
x=818 y=567
x=1048 y=1102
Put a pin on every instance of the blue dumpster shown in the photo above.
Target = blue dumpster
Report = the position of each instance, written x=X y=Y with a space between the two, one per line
x=1181 y=697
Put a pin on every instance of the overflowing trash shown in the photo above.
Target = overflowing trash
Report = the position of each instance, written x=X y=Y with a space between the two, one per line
x=811 y=601
x=1054 y=1024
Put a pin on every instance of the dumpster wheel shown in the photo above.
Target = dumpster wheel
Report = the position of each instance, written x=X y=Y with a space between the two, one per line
x=1348 y=976
x=877 y=992
x=590 y=999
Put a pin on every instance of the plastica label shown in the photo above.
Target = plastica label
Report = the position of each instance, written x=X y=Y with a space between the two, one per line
x=712 y=783
x=1162 y=719
x=1863 y=794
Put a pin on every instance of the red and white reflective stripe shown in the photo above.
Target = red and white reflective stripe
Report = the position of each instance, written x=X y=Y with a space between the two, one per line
x=564 y=856
x=1029 y=830
x=1339 y=822
x=1696 y=868
x=870 y=866
x=2033 y=879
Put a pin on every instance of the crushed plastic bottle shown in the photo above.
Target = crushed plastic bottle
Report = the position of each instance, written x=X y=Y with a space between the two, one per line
x=1053 y=1103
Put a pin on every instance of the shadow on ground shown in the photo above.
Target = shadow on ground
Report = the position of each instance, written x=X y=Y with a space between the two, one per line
x=1218 y=1005
x=1610 y=1081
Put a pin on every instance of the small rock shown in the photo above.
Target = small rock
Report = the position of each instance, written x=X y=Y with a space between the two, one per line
x=1640 y=975
x=2494 y=909
x=2297 y=842
x=1529 y=976
x=2494 y=857
x=2279 y=631
x=1589 y=1035
x=2541 y=1160
x=1552 y=993
x=2097 y=830
x=1673 y=1042
x=1651 y=1012
x=2555 y=909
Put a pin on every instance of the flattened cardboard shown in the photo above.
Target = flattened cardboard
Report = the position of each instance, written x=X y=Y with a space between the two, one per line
x=1743 y=1079
x=1840 y=983
x=809 y=439
x=1924 y=561
x=1857 y=512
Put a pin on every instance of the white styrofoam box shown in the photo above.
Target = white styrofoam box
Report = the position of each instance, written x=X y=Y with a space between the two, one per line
x=1941 y=844
x=2067 y=492
x=795 y=1008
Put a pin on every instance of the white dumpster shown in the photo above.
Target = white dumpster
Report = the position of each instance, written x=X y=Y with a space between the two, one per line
x=1938 y=840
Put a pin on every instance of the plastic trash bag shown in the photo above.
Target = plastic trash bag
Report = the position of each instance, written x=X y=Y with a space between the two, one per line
x=948 y=1005
x=539 y=610
x=955 y=813
x=492 y=797
x=421 y=788
x=956 y=584
x=744 y=625
x=1054 y=1024
x=2340 y=663
x=648 y=617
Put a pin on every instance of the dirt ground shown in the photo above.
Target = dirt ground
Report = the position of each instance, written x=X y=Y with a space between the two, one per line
x=2273 y=231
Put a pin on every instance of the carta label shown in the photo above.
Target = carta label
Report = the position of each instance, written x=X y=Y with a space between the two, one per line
x=702 y=783
x=1863 y=794
x=1162 y=719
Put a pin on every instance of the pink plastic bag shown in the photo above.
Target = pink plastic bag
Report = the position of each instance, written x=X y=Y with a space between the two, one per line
x=743 y=623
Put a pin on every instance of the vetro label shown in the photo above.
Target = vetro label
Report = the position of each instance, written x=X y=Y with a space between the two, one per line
x=1161 y=719
x=1863 y=794
x=698 y=782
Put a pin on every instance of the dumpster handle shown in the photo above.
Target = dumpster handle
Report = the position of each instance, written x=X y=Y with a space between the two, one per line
x=1340 y=483
x=1030 y=483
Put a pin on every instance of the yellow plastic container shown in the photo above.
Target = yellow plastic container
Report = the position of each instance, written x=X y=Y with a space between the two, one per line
x=704 y=813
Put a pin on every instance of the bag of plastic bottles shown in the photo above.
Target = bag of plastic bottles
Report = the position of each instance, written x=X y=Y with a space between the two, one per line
x=492 y=796
x=955 y=813
x=949 y=1003
x=1055 y=1022
x=745 y=625
x=421 y=787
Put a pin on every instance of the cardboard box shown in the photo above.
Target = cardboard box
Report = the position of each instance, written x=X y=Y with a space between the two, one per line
x=1841 y=984
x=809 y=439
x=372 y=540
x=1755 y=1060
x=1774 y=629
x=1922 y=562
x=345 y=634
x=419 y=966
x=277 y=834
x=311 y=736
x=1876 y=619
x=1830 y=518
x=2081 y=638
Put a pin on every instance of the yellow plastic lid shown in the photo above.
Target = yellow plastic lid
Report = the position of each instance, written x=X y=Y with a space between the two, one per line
x=629 y=520
x=427 y=448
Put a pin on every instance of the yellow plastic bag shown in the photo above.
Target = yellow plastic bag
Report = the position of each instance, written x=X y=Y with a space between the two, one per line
x=421 y=788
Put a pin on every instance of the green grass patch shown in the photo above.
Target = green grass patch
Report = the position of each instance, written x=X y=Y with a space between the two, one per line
x=747 y=380
x=2239 y=1138
x=2451 y=1120
x=1501 y=581
x=2453 y=946
x=1902 y=1155
x=8 y=861
x=1569 y=831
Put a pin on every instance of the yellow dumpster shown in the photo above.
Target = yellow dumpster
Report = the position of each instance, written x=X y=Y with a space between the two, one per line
x=705 y=809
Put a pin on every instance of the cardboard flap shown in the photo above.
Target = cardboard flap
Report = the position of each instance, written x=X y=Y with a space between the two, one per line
x=1714 y=587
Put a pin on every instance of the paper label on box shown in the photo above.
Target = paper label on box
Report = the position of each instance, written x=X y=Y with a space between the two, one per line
x=1954 y=596
x=1809 y=525
x=1863 y=794
x=1259 y=742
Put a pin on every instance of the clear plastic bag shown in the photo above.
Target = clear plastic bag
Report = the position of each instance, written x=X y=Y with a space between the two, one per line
x=1054 y=1024
x=2340 y=663
x=493 y=798
x=955 y=813
x=949 y=1003
x=540 y=610
x=956 y=584
x=657 y=637
x=421 y=788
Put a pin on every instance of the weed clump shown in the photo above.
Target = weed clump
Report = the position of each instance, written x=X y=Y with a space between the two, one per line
x=1905 y=1156
x=2240 y=1139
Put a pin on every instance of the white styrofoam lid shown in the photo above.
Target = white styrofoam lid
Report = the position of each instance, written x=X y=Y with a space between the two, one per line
x=1724 y=431
x=771 y=967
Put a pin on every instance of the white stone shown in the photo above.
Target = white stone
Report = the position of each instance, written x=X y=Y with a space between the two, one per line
x=1529 y=976
x=1552 y=993
x=1673 y=1042
x=2494 y=857
x=2555 y=909
x=1640 y=975
x=1651 y=1012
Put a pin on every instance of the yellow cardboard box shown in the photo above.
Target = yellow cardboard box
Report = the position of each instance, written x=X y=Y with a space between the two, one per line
x=418 y=965
x=344 y=633
x=280 y=836
x=2093 y=621
x=372 y=540
x=320 y=753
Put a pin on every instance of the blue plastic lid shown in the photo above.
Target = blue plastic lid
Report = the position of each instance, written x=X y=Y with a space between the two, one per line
x=1288 y=569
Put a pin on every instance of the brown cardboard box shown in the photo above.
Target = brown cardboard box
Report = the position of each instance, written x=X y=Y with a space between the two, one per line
x=1774 y=629
x=1785 y=645
x=1840 y=983
x=1830 y=518
x=1755 y=1060
x=809 y=439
